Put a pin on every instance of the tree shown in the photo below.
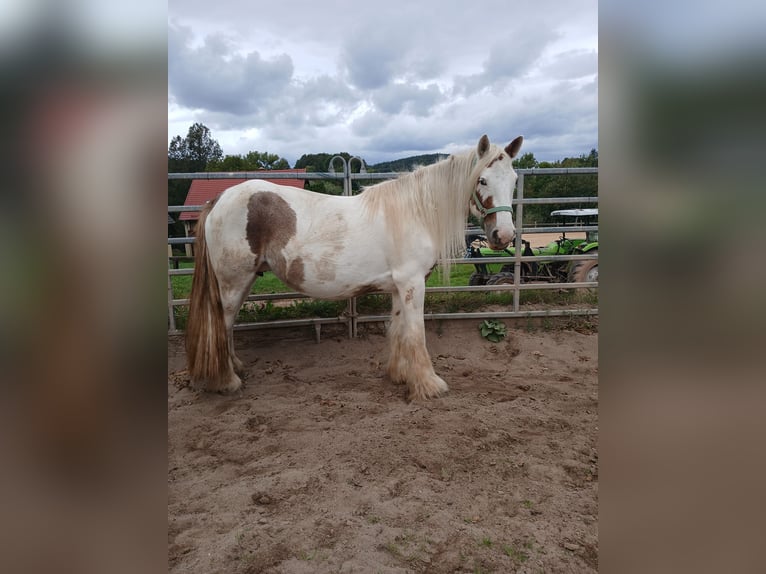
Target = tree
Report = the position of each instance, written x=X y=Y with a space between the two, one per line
x=265 y=160
x=195 y=151
x=202 y=149
x=185 y=155
x=252 y=161
x=535 y=186
x=525 y=161
x=177 y=152
x=319 y=161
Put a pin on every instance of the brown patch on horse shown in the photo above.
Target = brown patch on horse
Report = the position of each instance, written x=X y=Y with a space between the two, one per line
x=490 y=220
x=326 y=271
x=498 y=158
x=295 y=272
x=488 y=203
x=270 y=220
x=271 y=223
x=366 y=290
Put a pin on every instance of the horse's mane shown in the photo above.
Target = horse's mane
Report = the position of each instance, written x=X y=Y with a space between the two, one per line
x=437 y=196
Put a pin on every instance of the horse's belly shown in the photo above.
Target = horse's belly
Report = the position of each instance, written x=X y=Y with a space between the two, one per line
x=335 y=261
x=344 y=285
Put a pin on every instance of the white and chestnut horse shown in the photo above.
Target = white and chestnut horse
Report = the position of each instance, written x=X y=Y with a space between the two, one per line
x=388 y=238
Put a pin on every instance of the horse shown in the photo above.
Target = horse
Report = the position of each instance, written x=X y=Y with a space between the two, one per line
x=388 y=238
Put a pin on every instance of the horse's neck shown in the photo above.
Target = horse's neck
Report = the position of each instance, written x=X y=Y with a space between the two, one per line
x=450 y=176
x=439 y=187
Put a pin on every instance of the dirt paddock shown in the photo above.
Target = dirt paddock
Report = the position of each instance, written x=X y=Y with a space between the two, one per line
x=320 y=465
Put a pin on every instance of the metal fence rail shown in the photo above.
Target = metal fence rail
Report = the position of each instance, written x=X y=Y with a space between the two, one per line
x=351 y=318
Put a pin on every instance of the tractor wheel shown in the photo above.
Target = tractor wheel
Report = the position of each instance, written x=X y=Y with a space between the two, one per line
x=478 y=279
x=584 y=271
x=501 y=279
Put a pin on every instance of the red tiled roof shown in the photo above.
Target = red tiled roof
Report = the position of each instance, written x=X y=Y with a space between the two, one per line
x=203 y=190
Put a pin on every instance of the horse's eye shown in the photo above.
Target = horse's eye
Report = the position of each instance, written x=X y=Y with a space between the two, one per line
x=482 y=181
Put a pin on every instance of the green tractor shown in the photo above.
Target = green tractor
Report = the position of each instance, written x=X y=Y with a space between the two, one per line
x=541 y=271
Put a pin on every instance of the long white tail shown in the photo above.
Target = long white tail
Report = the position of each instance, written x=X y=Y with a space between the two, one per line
x=207 y=345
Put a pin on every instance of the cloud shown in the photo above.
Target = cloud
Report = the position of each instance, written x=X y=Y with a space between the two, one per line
x=372 y=55
x=406 y=77
x=572 y=64
x=376 y=54
x=509 y=59
x=408 y=98
x=516 y=54
x=215 y=77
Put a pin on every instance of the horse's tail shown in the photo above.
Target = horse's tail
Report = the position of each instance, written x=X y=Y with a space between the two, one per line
x=207 y=344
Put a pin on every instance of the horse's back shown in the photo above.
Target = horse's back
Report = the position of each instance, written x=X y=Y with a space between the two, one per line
x=242 y=192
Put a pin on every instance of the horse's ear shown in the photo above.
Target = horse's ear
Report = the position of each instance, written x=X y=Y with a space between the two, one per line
x=513 y=148
x=483 y=146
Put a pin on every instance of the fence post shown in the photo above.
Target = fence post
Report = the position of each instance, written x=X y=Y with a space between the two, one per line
x=171 y=314
x=346 y=173
x=517 y=240
x=350 y=303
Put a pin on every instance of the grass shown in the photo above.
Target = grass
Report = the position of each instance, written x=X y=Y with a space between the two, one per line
x=519 y=555
x=380 y=304
x=307 y=555
x=392 y=549
x=408 y=547
x=516 y=554
x=268 y=283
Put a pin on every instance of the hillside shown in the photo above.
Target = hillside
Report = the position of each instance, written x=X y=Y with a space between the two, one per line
x=407 y=163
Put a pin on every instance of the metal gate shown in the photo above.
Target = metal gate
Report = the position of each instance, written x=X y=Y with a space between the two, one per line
x=351 y=317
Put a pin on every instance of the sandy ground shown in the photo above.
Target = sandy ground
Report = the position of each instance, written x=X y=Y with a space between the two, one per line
x=320 y=465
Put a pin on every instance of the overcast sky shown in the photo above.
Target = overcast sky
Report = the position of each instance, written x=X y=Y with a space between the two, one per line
x=385 y=79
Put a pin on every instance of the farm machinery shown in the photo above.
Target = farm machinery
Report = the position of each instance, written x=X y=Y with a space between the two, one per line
x=551 y=271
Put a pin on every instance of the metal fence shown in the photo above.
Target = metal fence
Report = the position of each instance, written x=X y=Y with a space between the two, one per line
x=351 y=317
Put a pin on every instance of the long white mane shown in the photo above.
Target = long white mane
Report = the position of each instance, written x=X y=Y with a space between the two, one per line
x=436 y=197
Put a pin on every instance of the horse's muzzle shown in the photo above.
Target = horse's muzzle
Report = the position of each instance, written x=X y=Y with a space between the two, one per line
x=498 y=240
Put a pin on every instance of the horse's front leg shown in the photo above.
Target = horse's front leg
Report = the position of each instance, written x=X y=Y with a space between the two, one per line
x=409 y=360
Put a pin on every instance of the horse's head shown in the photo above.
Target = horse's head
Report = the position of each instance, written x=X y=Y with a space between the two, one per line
x=493 y=191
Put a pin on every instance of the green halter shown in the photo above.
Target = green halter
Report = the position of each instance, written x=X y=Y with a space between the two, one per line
x=483 y=210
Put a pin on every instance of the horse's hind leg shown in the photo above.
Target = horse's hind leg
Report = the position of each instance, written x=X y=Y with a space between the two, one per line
x=236 y=362
x=234 y=290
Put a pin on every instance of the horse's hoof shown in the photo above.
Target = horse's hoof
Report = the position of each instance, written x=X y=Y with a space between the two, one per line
x=239 y=368
x=430 y=389
x=233 y=386
x=241 y=371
